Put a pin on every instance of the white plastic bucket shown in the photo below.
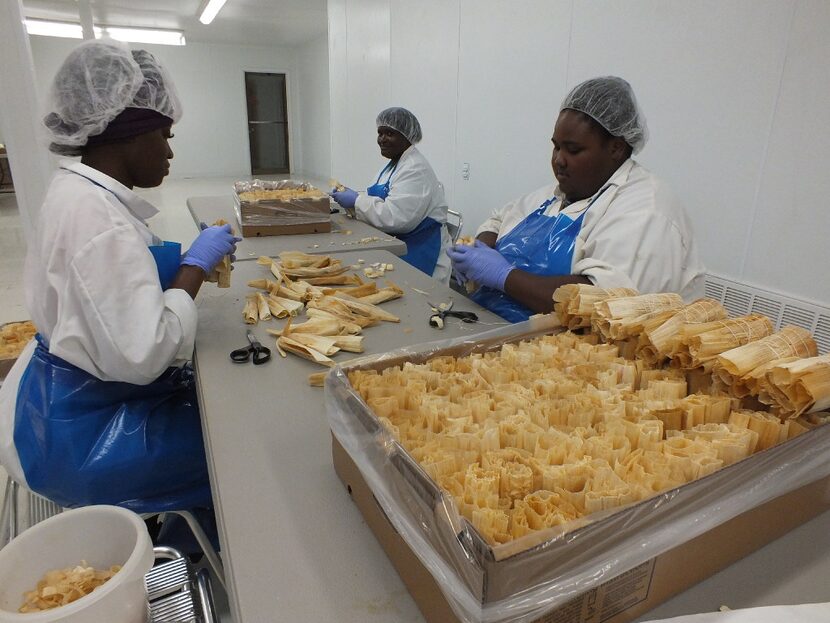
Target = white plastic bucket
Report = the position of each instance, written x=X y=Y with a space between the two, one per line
x=102 y=536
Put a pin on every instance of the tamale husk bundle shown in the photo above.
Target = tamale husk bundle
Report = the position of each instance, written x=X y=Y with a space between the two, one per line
x=298 y=259
x=701 y=343
x=655 y=343
x=800 y=386
x=315 y=326
x=389 y=293
x=771 y=430
x=335 y=280
x=574 y=303
x=293 y=346
x=357 y=291
x=291 y=306
x=251 y=310
x=337 y=307
x=317 y=379
x=367 y=309
x=321 y=343
x=734 y=366
x=262 y=307
x=221 y=273
x=612 y=315
x=335 y=267
x=347 y=325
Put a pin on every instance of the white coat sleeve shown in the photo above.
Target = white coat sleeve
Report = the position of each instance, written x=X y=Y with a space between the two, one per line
x=404 y=208
x=639 y=249
x=496 y=219
x=121 y=326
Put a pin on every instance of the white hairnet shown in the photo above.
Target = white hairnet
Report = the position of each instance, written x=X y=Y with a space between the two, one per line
x=403 y=121
x=610 y=102
x=97 y=81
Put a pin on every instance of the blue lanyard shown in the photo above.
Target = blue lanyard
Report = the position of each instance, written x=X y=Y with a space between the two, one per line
x=393 y=165
x=548 y=202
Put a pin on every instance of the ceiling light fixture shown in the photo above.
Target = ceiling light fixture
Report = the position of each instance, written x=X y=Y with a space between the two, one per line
x=45 y=28
x=211 y=9
x=141 y=35
x=130 y=35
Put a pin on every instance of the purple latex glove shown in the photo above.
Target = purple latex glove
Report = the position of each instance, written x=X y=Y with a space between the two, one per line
x=212 y=244
x=480 y=263
x=345 y=198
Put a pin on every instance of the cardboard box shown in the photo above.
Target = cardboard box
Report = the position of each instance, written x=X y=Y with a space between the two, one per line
x=620 y=599
x=271 y=217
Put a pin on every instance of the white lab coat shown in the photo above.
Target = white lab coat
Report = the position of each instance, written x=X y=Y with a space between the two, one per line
x=635 y=235
x=414 y=194
x=92 y=289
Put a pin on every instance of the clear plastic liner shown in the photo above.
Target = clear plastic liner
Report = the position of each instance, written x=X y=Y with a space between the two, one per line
x=522 y=580
x=266 y=212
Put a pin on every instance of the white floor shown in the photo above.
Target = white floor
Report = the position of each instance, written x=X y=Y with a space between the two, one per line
x=173 y=222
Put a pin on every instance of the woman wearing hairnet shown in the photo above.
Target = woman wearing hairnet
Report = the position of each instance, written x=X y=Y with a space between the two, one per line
x=608 y=221
x=406 y=200
x=101 y=409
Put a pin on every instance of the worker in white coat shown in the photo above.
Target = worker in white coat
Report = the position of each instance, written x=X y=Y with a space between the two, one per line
x=101 y=408
x=607 y=221
x=406 y=200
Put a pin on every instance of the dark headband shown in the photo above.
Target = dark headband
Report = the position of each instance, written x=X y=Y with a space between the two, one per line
x=131 y=122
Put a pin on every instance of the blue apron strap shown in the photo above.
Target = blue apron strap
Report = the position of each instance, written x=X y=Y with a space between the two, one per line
x=85 y=441
x=423 y=245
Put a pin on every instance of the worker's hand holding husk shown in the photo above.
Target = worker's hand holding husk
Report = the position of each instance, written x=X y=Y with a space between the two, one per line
x=481 y=264
x=212 y=244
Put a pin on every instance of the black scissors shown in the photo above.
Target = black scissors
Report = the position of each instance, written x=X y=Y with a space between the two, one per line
x=260 y=353
x=443 y=310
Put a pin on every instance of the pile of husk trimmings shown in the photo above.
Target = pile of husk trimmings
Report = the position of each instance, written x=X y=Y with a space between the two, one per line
x=338 y=306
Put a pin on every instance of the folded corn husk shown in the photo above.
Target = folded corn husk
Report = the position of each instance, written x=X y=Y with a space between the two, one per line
x=367 y=309
x=298 y=259
x=338 y=307
x=251 y=310
x=221 y=273
x=799 y=386
x=357 y=291
x=574 y=303
x=291 y=306
x=335 y=280
x=733 y=367
x=262 y=307
x=315 y=326
x=655 y=343
x=349 y=343
x=612 y=317
x=389 y=293
x=697 y=344
x=317 y=379
x=347 y=327
x=321 y=343
x=301 y=350
x=306 y=272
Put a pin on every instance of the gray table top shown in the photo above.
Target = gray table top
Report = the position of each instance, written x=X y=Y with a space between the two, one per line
x=292 y=541
x=210 y=209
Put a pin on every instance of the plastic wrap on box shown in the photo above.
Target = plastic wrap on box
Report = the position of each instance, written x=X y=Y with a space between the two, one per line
x=522 y=580
x=278 y=212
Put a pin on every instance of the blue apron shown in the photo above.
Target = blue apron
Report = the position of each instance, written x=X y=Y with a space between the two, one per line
x=168 y=257
x=85 y=441
x=423 y=244
x=541 y=245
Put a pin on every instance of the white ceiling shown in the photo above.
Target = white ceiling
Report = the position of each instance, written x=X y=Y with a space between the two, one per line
x=252 y=22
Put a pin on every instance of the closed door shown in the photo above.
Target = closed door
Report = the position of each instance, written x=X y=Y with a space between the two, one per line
x=267 y=122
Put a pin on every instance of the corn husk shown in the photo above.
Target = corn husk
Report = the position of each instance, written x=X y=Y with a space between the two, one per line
x=612 y=316
x=260 y=284
x=367 y=309
x=800 y=386
x=349 y=343
x=251 y=310
x=734 y=366
x=337 y=307
x=347 y=327
x=574 y=303
x=335 y=267
x=264 y=260
x=298 y=259
x=335 y=280
x=317 y=379
x=262 y=307
x=389 y=293
x=291 y=306
x=357 y=291
x=221 y=273
x=301 y=350
x=770 y=429
x=697 y=344
x=655 y=342
x=315 y=326
x=320 y=343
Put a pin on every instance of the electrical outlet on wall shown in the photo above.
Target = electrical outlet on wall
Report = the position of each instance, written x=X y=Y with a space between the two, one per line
x=465 y=171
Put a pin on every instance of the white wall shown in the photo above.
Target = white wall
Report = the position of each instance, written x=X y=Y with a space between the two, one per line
x=736 y=95
x=313 y=83
x=212 y=137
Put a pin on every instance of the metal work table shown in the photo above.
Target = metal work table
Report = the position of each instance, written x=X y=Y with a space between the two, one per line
x=210 y=209
x=294 y=546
